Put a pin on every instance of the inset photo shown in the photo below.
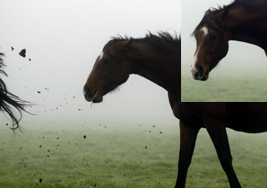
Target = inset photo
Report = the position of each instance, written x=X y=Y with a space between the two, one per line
x=224 y=51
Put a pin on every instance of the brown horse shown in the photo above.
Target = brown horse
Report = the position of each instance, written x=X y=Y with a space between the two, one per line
x=158 y=58
x=9 y=100
x=242 y=20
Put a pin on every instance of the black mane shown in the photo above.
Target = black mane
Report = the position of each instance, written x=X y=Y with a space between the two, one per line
x=9 y=100
x=160 y=41
x=248 y=5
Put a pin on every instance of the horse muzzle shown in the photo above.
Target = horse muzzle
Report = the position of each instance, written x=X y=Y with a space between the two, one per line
x=91 y=96
x=198 y=73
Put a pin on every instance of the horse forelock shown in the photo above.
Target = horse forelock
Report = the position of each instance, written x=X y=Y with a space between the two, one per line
x=208 y=18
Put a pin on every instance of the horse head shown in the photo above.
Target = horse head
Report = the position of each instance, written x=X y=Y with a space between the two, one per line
x=110 y=70
x=212 y=44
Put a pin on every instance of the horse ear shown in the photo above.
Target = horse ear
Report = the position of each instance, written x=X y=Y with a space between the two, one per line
x=122 y=46
x=222 y=15
x=127 y=46
x=206 y=13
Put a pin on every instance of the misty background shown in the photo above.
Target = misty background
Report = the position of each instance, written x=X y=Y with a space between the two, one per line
x=244 y=62
x=62 y=39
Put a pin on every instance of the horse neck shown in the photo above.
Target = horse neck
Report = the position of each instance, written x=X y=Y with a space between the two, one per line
x=163 y=70
x=247 y=27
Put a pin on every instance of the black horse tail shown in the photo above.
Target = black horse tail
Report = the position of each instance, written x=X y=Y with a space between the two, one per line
x=8 y=101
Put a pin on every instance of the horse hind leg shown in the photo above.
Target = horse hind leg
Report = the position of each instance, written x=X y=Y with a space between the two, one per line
x=188 y=137
x=217 y=132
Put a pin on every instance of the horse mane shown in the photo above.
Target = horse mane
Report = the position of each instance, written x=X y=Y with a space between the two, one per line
x=161 y=40
x=9 y=100
x=248 y=5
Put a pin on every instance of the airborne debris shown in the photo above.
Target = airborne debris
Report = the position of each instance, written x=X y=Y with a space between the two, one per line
x=38 y=91
x=84 y=136
x=21 y=67
x=23 y=53
x=12 y=48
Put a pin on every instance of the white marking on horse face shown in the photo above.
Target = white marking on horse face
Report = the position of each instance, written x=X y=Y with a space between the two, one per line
x=101 y=55
x=193 y=68
x=205 y=30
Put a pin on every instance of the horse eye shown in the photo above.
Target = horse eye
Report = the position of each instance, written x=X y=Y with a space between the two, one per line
x=213 y=37
x=106 y=61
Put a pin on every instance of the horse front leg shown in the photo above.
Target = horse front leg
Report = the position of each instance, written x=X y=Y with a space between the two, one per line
x=188 y=137
x=217 y=132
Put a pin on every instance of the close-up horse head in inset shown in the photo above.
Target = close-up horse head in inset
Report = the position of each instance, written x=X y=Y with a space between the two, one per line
x=244 y=21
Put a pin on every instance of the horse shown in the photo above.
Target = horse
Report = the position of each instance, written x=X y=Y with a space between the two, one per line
x=242 y=20
x=157 y=57
x=8 y=100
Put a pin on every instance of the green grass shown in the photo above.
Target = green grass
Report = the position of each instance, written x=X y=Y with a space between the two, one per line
x=104 y=158
x=124 y=158
x=238 y=84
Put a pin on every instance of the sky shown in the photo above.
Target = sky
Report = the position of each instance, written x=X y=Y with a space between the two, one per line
x=241 y=56
x=62 y=39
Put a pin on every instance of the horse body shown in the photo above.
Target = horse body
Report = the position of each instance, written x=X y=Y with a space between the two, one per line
x=242 y=20
x=157 y=58
x=245 y=117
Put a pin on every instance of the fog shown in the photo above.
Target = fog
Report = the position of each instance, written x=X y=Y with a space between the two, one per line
x=62 y=41
x=241 y=57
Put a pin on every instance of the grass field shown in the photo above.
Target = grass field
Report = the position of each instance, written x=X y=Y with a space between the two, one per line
x=120 y=158
x=237 y=84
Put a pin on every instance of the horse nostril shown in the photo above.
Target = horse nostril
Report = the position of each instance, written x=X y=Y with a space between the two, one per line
x=86 y=92
x=196 y=75
x=95 y=93
x=200 y=71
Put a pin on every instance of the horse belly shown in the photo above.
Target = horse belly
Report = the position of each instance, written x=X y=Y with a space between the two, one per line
x=248 y=117
x=248 y=127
